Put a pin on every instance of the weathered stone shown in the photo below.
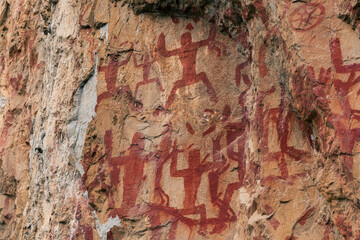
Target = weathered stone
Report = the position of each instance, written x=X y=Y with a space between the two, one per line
x=164 y=119
x=7 y=184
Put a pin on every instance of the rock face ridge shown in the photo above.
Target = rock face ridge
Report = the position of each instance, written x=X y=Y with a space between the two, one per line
x=156 y=119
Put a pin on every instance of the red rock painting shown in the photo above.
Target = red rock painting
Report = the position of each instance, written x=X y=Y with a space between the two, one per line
x=133 y=166
x=199 y=170
x=199 y=165
x=307 y=17
x=348 y=136
x=214 y=119
x=111 y=73
x=283 y=119
x=187 y=55
x=145 y=65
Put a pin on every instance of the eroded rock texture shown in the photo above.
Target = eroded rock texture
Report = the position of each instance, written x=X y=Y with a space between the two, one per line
x=164 y=119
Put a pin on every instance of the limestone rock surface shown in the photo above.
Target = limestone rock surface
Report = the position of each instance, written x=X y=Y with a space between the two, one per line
x=164 y=119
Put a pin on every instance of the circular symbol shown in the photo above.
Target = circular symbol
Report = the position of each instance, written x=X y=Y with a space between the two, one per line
x=307 y=17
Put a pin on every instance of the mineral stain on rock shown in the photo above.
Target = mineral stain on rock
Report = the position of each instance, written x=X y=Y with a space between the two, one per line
x=162 y=119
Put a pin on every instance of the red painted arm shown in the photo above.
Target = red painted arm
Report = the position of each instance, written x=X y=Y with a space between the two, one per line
x=162 y=47
x=337 y=58
x=136 y=64
x=173 y=166
x=108 y=149
x=212 y=34
x=126 y=60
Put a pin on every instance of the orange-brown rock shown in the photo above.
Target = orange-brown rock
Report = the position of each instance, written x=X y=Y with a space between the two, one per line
x=163 y=119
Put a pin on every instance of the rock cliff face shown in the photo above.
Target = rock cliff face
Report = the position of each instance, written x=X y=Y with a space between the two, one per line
x=163 y=119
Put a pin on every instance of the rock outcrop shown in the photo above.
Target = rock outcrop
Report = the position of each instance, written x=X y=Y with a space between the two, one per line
x=163 y=119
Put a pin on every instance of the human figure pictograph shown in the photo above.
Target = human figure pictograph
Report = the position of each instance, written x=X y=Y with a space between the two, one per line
x=112 y=69
x=192 y=179
x=187 y=54
x=161 y=156
x=146 y=65
x=349 y=136
x=111 y=72
x=226 y=213
x=192 y=176
x=235 y=148
x=133 y=165
x=284 y=120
